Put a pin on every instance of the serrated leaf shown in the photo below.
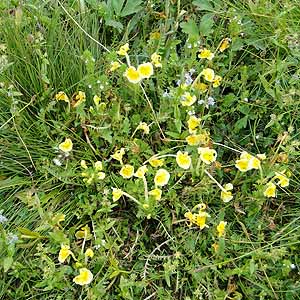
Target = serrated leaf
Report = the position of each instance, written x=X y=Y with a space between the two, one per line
x=190 y=27
x=206 y=24
x=241 y=123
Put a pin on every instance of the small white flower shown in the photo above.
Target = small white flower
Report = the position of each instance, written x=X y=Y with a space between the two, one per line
x=3 y=219
x=166 y=94
x=211 y=101
x=57 y=162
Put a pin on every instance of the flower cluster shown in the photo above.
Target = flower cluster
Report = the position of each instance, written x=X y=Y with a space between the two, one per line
x=92 y=174
x=85 y=275
x=280 y=179
x=200 y=218
x=143 y=71
x=248 y=162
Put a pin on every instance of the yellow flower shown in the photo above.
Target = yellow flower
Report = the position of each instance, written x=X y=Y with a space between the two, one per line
x=123 y=49
x=270 y=190
x=83 y=164
x=201 y=87
x=183 y=160
x=190 y=216
x=85 y=277
x=221 y=228
x=145 y=70
x=62 y=96
x=217 y=81
x=162 y=177
x=143 y=126
x=188 y=99
x=200 y=219
x=64 y=253
x=98 y=166
x=254 y=163
x=114 y=65
x=193 y=123
x=207 y=155
x=215 y=247
x=242 y=165
x=118 y=155
x=261 y=156
x=247 y=162
x=127 y=171
x=208 y=74
x=156 y=60
x=226 y=196
x=96 y=100
x=101 y=175
x=133 y=75
x=283 y=181
x=193 y=140
x=141 y=171
x=89 y=253
x=156 y=193
x=117 y=194
x=224 y=44
x=205 y=53
x=155 y=35
x=79 y=98
x=66 y=146
x=155 y=162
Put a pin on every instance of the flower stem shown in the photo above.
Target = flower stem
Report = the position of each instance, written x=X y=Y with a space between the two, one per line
x=214 y=180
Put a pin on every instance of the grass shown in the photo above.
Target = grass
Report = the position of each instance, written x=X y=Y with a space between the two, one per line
x=147 y=250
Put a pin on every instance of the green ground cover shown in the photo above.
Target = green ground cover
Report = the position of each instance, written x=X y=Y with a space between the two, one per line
x=149 y=149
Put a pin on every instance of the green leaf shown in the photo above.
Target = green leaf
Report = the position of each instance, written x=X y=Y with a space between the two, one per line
x=241 y=123
x=177 y=120
x=206 y=24
x=7 y=263
x=115 y=24
x=131 y=7
x=204 y=5
x=190 y=27
x=28 y=234
x=117 y=5
x=172 y=134
x=267 y=86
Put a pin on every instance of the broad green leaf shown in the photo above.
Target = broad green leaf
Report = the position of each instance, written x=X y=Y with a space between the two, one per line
x=204 y=5
x=7 y=263
x=206 y=24
x=131 y=7
x=115 y=24
x=190 y=27
x=117 y=6
x=241 y=123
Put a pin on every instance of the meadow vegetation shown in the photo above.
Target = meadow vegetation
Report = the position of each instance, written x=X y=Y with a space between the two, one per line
x=149 y=149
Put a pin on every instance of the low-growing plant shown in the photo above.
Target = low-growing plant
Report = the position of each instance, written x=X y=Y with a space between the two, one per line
x=149 y=150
